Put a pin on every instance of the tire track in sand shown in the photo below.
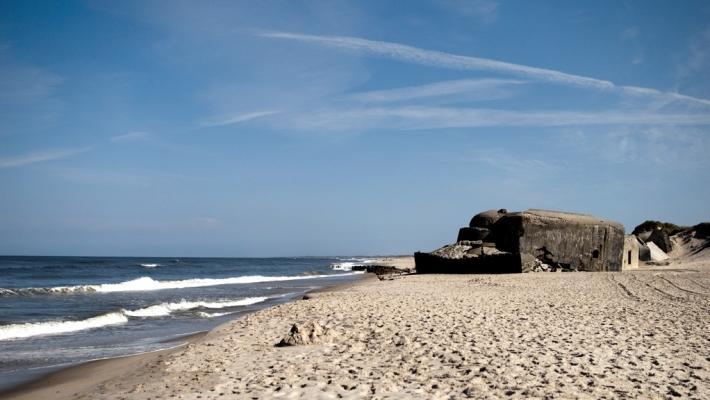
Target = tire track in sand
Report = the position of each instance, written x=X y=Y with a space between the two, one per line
x=680 y=288
x=662 y=292
x=695 y=282
x=623 y=288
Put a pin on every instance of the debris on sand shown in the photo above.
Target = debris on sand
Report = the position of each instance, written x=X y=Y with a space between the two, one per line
x=305 y=334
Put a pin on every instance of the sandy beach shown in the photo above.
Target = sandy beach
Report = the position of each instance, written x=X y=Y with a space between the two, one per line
x=639 y=334
x=430 y=199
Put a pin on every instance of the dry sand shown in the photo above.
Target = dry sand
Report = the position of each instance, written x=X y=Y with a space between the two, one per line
x=401 y=262
x=640 y=334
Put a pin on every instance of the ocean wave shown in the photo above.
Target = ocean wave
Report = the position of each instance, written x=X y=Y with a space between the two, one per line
x=31 y=329
x=145 y=283
x=19 y=331
x=150 y=265
x=160 y=310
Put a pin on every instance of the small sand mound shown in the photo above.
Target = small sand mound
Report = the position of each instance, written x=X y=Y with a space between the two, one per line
x=305 y=334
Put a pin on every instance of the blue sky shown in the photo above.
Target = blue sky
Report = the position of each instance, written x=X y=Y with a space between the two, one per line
x=298 y=128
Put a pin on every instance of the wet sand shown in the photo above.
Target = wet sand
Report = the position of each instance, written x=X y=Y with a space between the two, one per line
x=641 y=334
x=82 y=378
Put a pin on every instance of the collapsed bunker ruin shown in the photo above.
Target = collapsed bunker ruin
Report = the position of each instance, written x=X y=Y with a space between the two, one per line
x=498 y=241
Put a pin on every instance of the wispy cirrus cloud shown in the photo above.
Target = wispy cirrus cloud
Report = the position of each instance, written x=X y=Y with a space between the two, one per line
x=129 y=137
x=236 y=118
x=40 y=156
x=421 y=117
x=459 y=62
x=667 y=97
x=472 y=89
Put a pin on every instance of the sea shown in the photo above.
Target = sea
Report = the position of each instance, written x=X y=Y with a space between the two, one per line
x=59 y=311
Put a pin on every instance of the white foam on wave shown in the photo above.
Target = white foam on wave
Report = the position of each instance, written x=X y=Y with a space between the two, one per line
x=149 y=265
x=212 y=315
x=145 y=283
x=164 y=309
x=19 y=331
x=343 y=266
x=30 y=329
x=350 y=263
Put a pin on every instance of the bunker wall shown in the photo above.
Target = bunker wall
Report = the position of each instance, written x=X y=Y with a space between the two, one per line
x=571 y=244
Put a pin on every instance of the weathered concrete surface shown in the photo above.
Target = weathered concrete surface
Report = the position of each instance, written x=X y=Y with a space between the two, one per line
x=473 y=233
x=630 y=257
x=487 y=219
x=567 y=241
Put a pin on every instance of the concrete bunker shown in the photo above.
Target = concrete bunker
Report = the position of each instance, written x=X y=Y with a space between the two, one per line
x=529 y=241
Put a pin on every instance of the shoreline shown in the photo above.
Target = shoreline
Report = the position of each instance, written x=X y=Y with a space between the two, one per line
x=84 y=375
x=78 y=377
